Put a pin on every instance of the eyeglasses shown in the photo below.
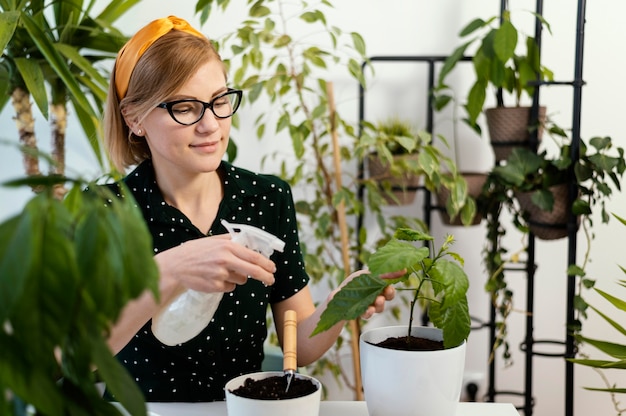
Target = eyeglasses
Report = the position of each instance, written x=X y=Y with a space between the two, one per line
x=189 y=111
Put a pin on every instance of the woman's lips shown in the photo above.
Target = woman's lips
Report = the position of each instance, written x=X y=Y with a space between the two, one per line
x=206 y=146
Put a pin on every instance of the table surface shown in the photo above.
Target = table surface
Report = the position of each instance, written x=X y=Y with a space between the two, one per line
x=327 y=408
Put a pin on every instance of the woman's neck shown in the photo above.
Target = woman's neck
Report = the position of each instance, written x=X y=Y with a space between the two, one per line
x=197 y=197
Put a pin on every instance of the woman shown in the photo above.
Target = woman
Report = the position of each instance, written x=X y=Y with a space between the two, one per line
x=168 y=112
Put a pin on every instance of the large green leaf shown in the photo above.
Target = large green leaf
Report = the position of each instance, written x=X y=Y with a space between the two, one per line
x=72 y=54
x=57 y=63
x=396 y=255
x=18 y=246
x=351 y=301
x=114 y=10
x=117 y=379
x=31 y=73
x=68 y=268
x=8 y=23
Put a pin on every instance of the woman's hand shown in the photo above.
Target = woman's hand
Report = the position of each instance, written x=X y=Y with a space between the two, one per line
x=214 y=264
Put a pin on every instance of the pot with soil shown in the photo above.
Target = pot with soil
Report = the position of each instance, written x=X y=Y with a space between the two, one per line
x=265 y=394
x=393 y=379
x=414 y=375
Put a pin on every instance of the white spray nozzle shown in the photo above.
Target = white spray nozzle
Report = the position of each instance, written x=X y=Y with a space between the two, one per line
x=254 y=238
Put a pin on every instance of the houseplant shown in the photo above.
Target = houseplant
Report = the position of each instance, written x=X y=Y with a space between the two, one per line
x=614 y=351
x=393 y=158
x=439 y=279
x=500 y=67
x=51 y=53
x=67 y=269
x=402 y=159
x=532 y=178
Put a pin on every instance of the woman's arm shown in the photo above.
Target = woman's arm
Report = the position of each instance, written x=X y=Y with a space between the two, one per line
x=311 y=349
x=211 y=264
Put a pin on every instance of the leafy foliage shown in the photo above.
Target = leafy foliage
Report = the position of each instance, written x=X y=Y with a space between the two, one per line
x=615 y=350
x=52 y=50
x=496 y=63
x=447 y=309
x=67 y=269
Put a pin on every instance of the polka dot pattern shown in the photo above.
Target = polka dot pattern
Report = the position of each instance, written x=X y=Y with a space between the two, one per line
x=232 y=343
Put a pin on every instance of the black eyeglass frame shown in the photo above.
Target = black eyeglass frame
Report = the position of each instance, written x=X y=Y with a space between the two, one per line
x=168 y=105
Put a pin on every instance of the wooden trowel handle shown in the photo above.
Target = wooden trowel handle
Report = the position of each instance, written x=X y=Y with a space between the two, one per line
x=290 y=335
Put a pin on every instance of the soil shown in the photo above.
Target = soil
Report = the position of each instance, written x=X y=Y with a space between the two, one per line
x=410 y=344
x=273 y=388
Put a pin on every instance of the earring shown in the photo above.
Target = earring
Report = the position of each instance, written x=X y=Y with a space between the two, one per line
x=139 y=132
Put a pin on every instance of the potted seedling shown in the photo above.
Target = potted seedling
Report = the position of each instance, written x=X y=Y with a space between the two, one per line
x=499 y=67
x=407 y=379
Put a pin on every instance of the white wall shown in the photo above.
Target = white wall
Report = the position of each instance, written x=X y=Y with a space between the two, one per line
x=409 y=27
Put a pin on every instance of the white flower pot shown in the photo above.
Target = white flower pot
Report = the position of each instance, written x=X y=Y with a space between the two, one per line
x=415 y=383
x=300 y=406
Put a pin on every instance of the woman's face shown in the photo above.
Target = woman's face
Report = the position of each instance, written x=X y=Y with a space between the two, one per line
x=181 y=150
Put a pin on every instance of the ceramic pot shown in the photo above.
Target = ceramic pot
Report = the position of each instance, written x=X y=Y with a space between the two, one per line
x=300 y=406
x=547 y=225
x=509 y=128
x=410 y=383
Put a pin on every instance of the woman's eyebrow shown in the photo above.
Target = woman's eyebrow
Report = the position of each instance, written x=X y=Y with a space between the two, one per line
x=193 y=97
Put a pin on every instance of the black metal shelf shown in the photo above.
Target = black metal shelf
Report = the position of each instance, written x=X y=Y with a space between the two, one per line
x=529 y=343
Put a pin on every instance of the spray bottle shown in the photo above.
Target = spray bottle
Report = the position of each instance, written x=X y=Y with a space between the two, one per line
x=191 y=311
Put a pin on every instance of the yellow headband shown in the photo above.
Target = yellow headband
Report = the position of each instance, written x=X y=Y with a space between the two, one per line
x=133 y=50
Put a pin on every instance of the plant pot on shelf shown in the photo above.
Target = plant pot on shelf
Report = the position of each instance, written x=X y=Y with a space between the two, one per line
x=403 y=186
x=475 y=182
x=307 y=405
x=547 y=225
x=415 y=383
x=509 y=127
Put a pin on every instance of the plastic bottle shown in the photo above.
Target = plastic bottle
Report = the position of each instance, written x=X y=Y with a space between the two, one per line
x=191 y=311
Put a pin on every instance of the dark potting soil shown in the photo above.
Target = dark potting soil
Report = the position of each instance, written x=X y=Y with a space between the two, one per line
x=410 y=344
x=273 y=388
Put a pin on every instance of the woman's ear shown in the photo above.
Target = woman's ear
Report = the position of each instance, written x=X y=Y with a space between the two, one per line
x=132 y=124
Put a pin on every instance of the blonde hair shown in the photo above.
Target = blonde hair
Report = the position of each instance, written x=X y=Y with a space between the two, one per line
x=166 y=65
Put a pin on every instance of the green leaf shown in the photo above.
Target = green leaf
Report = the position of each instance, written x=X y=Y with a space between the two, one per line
x=31 y=73
x=359 y=43
x=56 y=62
x=72 y=54
x=618 y=303
x=351 y=301
x=117 y=379
x=408 y=234
x=610 y=348
x=505 y=41
x=396 y=255
x=8 y=23
x=451 y=62
x=604 y=364
x=115 y=9
x=544 y=199
x=18 y=246
x=259 y=10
